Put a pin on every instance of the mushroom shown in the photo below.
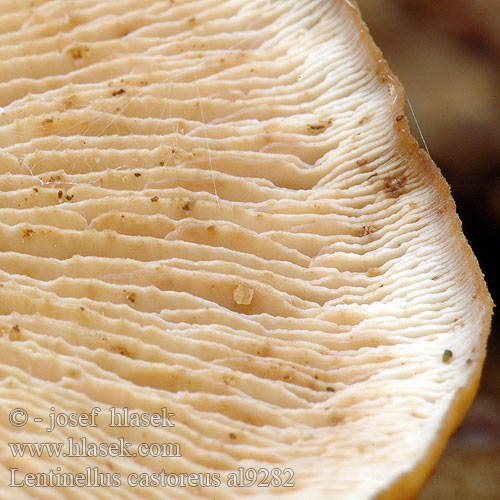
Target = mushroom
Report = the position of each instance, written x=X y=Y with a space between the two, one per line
x=224 y=261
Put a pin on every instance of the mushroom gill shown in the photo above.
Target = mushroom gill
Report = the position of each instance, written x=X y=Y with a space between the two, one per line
x=215 y=222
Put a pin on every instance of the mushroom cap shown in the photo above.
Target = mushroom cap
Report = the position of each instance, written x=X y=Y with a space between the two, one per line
x=214 y=212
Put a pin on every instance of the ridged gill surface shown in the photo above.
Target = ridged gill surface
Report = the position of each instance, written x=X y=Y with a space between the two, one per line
x=208 y=206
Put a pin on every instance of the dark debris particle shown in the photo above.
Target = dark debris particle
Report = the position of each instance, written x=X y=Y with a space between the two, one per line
x=399 y=118
x=232 y=435
x=367 y=230
x=395 y=186
x=330 y=389
x=78 y=52
x=447 y=355
x=316 y=127
x=120 y=350
x=154 y=198
x=137 y=174
x=118 y=92
x=15 y=333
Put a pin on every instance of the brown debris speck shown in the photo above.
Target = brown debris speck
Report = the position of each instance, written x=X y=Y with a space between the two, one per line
x=118 y=92
x=394 y=186
x=78 y=52
x=137 y=174
x=47 y=121
x=15 y=333
x=154 y=198
x=28 y=233
x=367 y=230
x=447 y=355
x=316 y=128
x=120 y=350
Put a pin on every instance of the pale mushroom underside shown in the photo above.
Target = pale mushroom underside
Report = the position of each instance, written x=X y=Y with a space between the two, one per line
x=216 y=207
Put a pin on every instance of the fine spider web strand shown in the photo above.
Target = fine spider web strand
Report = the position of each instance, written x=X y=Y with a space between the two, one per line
x=179 y=74
x=170 y=79
x=143 y=92
x=416 y=123
x=410 y=107
x=348 y=2
x=203 y=123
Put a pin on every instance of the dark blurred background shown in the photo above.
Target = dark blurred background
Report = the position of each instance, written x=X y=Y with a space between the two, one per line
x=447 y=55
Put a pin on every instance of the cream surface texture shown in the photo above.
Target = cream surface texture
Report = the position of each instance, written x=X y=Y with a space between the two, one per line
x=213 y=212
